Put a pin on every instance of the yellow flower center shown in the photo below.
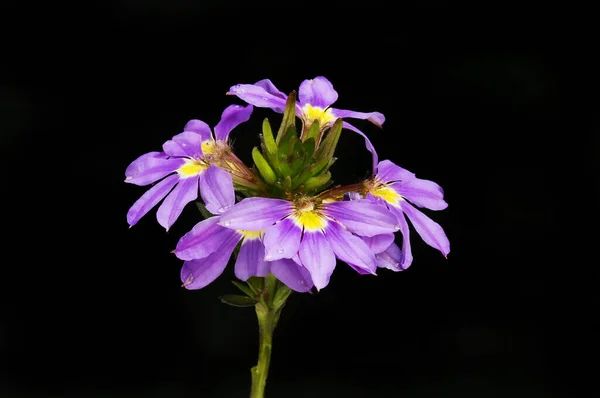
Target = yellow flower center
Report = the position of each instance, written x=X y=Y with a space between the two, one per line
x=208 y=147
x=250 y=234
x=191 y=168
x=386 y=193
x=307 y=217
x=316 y=113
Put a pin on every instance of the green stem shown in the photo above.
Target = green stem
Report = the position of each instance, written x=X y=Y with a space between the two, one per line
x=268 y=310
x=267 y=320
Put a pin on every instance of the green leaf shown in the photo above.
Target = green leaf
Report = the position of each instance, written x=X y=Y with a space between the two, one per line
x=270 y=287
x=238 y=301
x=287 y=182
x=265 y=170
x=327 y=147
x=316 y=182
x=270 y=144
x=309 y=149
x=297 y=158
x=312 y=171
x=289 y=116
x=281 y=295
x=289 y=139
x=313 y=131
x=256 y=284
x=244 y=288
x=203 y=211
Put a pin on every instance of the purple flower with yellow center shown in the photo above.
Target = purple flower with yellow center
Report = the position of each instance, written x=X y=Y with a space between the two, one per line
x=315 y=99
x=314 y=233
x=386 y=251
x=186 y=164
x=206 y=250
x=397 y=188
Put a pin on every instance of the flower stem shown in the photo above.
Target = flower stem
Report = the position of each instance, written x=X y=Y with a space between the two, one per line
x=267 y=311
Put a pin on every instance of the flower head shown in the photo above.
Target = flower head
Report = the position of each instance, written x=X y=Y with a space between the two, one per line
x=196 y=158
x=395 y=188
x=206 y=250
x=314 y=233
x=315 y=97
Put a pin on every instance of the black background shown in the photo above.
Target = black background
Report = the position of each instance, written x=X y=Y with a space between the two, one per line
x=496 y=104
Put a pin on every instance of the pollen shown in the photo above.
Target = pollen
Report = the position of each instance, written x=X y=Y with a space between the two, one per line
x=307 y=217
x=191 y=168
x=209 y=147
x=250 y=234
x=386 y=193
x=316 y=113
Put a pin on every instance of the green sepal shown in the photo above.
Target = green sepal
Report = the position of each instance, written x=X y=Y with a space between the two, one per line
x=327 y=147
x=312 y=171
x=256 y=284
x=203 y=211
x=287 y=182
x=284 y=167
x=271 y=157
x=245 y=288
x=289 y=116
x=265 y=170
x=269 y=141
x=309 y=149
x=270 y=287
x=288 y=141
x=316 y=182
x=298 y=158
x=281 y=295
x=238 y=301
x=322 y=166
x=313 y=131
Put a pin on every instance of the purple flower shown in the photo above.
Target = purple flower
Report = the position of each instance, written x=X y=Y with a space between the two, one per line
x=185 y=163
x=314 y=234
x=387 y=253
x=206 y=250
x=315 y=99
x=395 y=187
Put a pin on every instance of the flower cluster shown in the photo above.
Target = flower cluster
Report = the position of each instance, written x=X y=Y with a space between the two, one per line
x=291 y=221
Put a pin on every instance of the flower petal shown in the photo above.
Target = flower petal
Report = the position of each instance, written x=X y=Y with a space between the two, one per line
x=378 y=243
x=252 y=252
x=282 y=240
x=196 y=274
x=170 y=209
x=257 y=96
x=423 y=193
x=376 y=118
x=392 y=258
x=263 y=268
x=350 y=248
x=360 y=270
x=317 y=92
x=188 y=144
x=232 y=116
x=430 y=231
x=216 y=189
x=363 y=217
x=405 y=257
x=255 y=214
x=389 y=172
x=150 y=168
x=317 y=256
x=199 y=127
x=271 y=89
x=150 y=198
x=292 y=275
x=204 y=239
x=368 y=144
